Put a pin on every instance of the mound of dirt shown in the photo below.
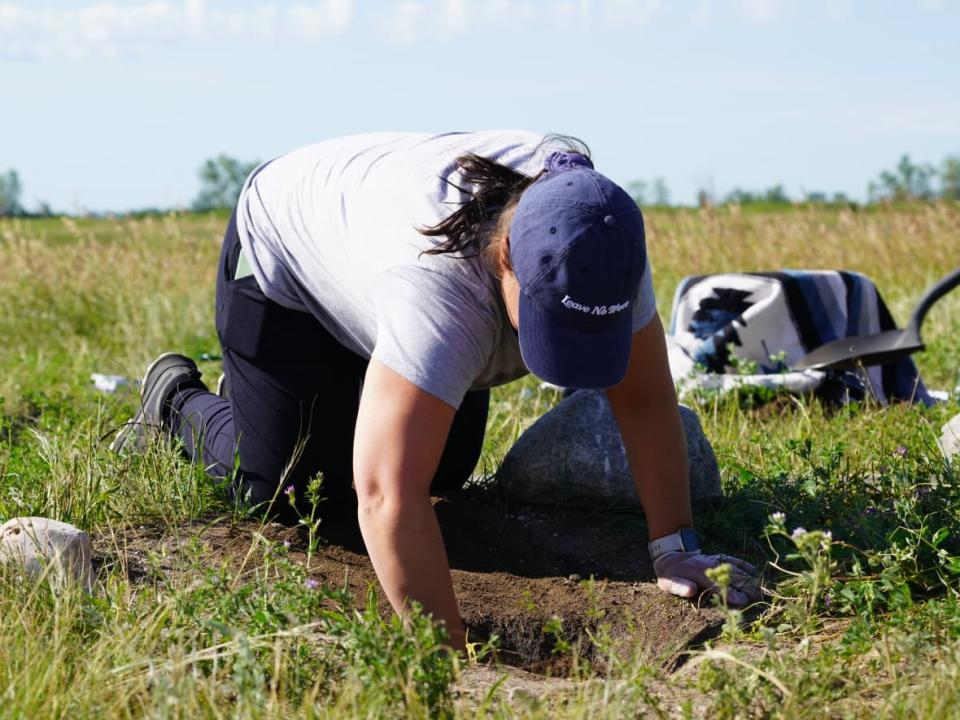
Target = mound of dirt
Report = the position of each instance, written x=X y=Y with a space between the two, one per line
x=513 y=568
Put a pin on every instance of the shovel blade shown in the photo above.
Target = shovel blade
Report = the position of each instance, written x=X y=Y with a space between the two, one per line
x=866 y=350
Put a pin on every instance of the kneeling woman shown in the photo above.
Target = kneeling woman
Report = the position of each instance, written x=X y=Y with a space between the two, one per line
x=363 y=321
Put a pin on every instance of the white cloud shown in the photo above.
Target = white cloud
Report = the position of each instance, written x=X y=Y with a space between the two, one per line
x=702 y=14
x=408 y=21
x=330 y=17
x=507 y=12
x=257 y=22
x=839 y=9
x=630 y=12
x=759 y=11
x=195 y=11
x=103 y=29
x=112 y=29
x=454 y=18
x=570 y=15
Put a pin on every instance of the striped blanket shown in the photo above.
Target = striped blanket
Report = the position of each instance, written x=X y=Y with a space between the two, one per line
x=749 y=328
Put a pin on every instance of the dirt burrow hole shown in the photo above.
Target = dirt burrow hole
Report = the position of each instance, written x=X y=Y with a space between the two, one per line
x=514 y=570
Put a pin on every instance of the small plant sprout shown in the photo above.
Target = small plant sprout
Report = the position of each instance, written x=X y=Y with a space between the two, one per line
x=778 y=361
x=479 y=651
x=722 y=577
x=554 y=628
x=311 y=519
x=808 y=586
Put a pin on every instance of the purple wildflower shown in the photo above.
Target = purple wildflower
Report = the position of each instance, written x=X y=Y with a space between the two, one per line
x=288 y=490
x=900 y=451
x=798 y=532
x=311 y=584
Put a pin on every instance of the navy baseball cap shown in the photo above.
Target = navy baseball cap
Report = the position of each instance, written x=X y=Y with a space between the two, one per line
x=578 y=250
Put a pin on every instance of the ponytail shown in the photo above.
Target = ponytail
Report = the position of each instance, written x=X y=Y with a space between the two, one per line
x=494 y=188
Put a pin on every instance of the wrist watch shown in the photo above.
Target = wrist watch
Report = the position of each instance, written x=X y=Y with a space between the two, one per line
x=683 y=540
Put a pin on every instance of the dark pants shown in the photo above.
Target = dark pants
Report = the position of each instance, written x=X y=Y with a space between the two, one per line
x=294 y=392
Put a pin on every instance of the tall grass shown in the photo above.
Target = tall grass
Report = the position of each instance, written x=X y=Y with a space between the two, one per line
x=80 y=296
x=868 y=625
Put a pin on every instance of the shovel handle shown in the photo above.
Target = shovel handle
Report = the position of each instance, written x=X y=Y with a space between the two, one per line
x=943 y=286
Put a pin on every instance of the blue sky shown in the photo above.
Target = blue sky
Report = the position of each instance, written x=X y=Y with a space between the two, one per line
x=114 y=105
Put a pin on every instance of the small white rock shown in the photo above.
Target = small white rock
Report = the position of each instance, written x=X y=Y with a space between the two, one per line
x=44 y=546
x=109 y=383
x=950 y=439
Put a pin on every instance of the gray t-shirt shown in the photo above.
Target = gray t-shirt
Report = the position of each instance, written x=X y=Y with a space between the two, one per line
x=332 y=229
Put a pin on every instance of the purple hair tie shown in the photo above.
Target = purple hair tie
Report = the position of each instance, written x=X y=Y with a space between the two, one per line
x=560 y=160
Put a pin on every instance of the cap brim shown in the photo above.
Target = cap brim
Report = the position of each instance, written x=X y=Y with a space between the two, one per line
x=573 y=358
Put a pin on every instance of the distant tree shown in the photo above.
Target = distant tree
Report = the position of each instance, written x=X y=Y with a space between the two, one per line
x=221 y=179
x=822 y=198
x=776 y=194
x=907 y=181
x=704 y=199
x=950 y=178
x=660 y=191
x=739 y=196
x=644 y=193
x=10 y=194
x=638 y=191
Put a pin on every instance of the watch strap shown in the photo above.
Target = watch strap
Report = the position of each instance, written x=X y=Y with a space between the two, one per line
x=684 y=540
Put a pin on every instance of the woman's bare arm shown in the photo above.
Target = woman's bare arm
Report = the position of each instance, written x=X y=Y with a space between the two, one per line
x=645 y=407
x=400 y=436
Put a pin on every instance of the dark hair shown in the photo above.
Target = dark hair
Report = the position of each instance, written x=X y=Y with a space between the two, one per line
x=492 y=188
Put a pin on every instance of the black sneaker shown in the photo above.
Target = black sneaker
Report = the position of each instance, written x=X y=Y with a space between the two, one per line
x=166 y=374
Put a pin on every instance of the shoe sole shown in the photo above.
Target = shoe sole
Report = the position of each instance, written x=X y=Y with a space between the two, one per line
x=138 y=419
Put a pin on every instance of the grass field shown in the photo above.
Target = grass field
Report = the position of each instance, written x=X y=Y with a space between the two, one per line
x=863 y=614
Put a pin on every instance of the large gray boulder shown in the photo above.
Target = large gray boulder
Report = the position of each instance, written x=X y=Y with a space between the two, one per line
x=48 y=548
x=574 y=455
x=950 y=438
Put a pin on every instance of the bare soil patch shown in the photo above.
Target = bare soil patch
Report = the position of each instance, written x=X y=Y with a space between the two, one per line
x=513 y=568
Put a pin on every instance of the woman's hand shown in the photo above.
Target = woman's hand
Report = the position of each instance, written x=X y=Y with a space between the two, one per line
x=684 y=574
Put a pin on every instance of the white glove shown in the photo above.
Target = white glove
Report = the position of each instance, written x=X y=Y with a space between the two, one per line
x=684 y=574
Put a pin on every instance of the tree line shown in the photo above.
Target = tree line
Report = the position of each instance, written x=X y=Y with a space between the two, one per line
x=222 y=177
x=907 y=181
